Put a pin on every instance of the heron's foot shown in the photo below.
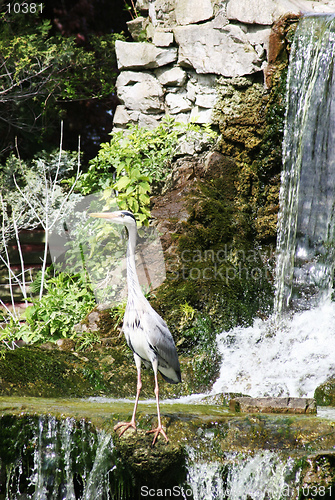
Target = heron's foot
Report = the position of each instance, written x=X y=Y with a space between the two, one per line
x=156 y=432
x=126 y=426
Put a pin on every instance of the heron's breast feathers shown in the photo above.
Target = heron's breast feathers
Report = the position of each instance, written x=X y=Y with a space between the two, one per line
x=149 y=337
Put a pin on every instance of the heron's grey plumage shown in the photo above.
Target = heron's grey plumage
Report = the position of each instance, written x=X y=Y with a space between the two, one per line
x=146 y=332
x=148 y=336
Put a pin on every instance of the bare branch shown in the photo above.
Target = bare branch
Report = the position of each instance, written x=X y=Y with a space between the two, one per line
x=26 y=199
x=7 y=261
x=59 y=160
x=66 y=198
x=23 y=288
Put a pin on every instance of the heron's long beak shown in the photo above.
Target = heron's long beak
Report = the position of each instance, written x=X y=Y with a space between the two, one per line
x=104 y=215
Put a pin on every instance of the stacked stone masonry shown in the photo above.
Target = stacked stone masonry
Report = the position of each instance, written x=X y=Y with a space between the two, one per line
x=181 y=48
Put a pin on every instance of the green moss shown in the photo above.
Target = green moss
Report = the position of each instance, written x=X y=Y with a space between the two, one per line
x=325 y=393
x=251 y=121
x=230 y=235
x=148 y=465
x=240 y=115
x=220 y=273
x=33 y=371
x=108 y=371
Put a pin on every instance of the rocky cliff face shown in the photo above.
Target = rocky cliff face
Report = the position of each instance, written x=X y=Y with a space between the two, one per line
x=223 y=63
x=182 y=47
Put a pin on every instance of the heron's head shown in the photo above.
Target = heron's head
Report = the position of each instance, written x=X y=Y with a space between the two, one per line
x=118 y=217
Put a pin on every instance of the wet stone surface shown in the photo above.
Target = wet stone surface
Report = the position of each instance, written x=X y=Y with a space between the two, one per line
x=206 y=443
x=273 y=405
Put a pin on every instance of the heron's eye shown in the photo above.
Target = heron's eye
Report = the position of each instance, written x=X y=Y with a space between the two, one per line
x=122 y=215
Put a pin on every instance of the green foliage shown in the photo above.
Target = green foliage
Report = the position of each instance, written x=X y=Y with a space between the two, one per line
x=39 y=71
x=88 y=339
x=117 y=313
x=89 y=74
x=133 y=190
x=39 y=66
x=129 y=6
x=32 y=192
x=187 y=311
x=48 y=165
x=195 y=329
x=137 y=161
x=67 y=300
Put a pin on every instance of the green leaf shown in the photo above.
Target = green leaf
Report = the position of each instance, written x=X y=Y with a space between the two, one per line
x=144 y=198
x=133 y=204
x=134 y=173
x=131 y=189
x=144 y=187
x=122 y=183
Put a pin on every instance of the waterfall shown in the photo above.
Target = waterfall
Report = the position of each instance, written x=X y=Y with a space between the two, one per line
x=55 y=459
x=262 y=476
x=62 y=459
x=292 y=352
x=265 y=476
x=206 y=479
x=305 y=248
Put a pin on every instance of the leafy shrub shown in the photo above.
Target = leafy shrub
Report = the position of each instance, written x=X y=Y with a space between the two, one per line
x=136 y=162
x=67 y=300
x=40 y=182
x=31 y=195
x=133 y=190
x=40 y=71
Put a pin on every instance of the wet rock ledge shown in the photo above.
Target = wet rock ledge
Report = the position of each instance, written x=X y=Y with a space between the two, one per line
x=273 y=405
x=200 y=436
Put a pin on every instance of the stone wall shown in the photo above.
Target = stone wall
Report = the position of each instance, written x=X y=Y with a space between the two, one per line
x=185 y=52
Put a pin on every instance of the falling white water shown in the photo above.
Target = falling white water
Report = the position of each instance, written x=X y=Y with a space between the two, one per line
x=290 y=359
x=97 y=482
x=69 y=461
x=45 y=458
x=262 y=476
x=66 y=432
x=306 y=229
x=294 y=351
x=205 y=478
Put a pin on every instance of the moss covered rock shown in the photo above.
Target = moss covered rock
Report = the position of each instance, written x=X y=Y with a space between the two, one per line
x=325 y=393
x=151 y=465
x=33 y=371
x=108 y=370
x=213 y=265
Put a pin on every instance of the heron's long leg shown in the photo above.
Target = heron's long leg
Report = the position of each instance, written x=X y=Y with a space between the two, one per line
x=159 y=429
x=132 y=423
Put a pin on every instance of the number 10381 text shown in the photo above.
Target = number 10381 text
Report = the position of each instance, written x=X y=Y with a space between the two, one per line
x=24 y=8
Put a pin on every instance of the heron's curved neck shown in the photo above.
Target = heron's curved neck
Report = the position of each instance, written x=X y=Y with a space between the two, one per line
x=134 y=287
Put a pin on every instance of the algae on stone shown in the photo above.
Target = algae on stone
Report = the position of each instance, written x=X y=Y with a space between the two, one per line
x=325 y=393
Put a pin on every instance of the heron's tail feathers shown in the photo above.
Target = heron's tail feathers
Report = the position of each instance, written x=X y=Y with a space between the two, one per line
x=174 y=377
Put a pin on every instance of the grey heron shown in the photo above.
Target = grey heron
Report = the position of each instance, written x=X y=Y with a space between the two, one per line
x=146 y=332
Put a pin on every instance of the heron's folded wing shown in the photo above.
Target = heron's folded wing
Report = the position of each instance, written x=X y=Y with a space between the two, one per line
x=161 y=341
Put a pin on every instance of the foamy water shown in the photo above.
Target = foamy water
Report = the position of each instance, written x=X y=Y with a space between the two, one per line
x=288 y=360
